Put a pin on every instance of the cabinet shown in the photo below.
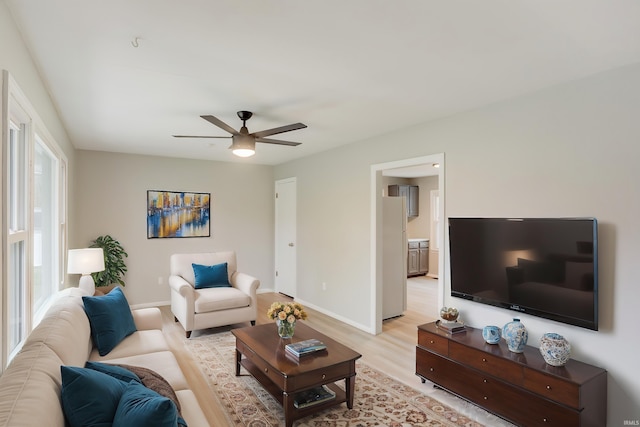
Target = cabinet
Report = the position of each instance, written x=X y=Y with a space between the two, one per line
x=418 y=257
x=411 y=193
x=500 y=381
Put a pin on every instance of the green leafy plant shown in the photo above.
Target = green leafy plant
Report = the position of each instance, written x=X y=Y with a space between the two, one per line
x=114 y=266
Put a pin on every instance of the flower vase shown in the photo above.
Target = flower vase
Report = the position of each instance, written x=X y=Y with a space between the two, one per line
x=285 y=328
x=555 y=349
x=516 y=336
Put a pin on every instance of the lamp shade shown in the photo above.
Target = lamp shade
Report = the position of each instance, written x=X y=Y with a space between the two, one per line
x=85 y=261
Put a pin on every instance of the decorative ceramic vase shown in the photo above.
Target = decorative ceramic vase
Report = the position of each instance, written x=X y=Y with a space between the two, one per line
x=555 y=349
x=516 y=335
x=285 y=329
x=491 y=334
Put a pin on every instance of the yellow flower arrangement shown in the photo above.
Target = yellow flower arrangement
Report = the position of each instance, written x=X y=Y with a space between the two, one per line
x=286 y=311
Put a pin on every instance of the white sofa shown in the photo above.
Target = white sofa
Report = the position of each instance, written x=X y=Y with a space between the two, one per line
x=211 y=307
x=30 y=387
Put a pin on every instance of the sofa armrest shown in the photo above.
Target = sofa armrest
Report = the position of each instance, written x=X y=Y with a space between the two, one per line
x=246 y=283
x=147 y=318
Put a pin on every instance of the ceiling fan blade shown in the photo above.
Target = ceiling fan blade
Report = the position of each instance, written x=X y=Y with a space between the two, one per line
x=222 y=125
x=280 y=129
x=277 y=141
x=199 y=136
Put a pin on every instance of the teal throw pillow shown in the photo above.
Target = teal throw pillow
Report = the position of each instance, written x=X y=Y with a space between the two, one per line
x=143 y=407
x=110 y=318
x=114 y=371
x=89 y=398
x=211 y=276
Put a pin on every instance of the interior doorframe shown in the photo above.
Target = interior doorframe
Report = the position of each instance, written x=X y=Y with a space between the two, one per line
x=376 y=230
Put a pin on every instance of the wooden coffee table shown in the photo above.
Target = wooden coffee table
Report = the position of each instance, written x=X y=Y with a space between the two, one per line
x=261 y=352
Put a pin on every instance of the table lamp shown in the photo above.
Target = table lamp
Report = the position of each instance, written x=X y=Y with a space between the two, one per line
x=86 y=261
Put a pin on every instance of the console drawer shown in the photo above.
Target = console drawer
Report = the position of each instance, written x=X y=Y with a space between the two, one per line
x=433 y=342
x=487 y=363
x=552 y=388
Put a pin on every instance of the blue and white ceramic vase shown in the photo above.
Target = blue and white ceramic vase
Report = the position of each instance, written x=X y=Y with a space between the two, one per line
x=491 y=334
x=555 y=349
x=516 y=335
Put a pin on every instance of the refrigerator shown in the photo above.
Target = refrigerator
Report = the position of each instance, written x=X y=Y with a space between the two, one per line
x=394 y=257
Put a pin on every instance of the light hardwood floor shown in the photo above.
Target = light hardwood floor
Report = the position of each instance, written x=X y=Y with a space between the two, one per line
x=392 y=351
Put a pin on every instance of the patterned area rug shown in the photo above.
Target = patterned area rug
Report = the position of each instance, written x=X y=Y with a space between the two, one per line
x=379 y=399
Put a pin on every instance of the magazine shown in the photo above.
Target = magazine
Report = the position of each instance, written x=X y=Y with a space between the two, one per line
x=313 y=396
x=305 y=347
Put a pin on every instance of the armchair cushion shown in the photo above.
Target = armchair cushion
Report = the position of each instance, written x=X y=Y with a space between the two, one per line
x=110 y=318
x=211 y=276
x=209 y=300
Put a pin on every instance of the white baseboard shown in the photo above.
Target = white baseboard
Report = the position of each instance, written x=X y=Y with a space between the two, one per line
x=151 y=304
x=337 y=316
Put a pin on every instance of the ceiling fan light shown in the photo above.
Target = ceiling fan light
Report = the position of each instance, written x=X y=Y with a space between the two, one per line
x=243 y=152
x=243 y=146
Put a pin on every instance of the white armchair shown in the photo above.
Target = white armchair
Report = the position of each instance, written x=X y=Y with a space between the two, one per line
x=211 y=307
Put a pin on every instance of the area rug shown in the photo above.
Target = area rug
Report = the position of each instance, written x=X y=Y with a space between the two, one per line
x=379 y=400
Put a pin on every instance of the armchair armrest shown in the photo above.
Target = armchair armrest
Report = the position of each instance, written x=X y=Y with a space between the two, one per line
x=147 y=318
x=246 y=283
x=181 y=286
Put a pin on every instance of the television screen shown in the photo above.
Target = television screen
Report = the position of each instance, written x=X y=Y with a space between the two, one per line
x=540 y=266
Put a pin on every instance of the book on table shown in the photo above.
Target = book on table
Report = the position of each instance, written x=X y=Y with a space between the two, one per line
x=305 y=347
x=313 y=396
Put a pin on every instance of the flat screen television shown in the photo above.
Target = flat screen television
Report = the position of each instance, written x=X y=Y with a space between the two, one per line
x=546 y=267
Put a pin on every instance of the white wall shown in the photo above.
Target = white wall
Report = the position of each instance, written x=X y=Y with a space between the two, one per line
x=571 y=150
x=112 y=199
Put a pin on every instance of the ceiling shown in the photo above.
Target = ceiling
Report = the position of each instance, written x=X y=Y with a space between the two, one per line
x=349 y=70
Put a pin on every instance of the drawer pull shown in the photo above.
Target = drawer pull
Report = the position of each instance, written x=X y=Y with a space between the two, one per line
x=545 y=420
x=548 y=387
x=266 y=369
x=431 y=369
x=486 y=398
x=324 y=376
x=484 y=381
x=432 y=342
x=484 y=360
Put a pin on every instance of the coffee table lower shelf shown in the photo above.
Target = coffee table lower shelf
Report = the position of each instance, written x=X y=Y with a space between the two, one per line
x=291 y=412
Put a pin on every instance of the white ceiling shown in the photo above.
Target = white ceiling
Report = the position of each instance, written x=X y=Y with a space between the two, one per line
x=349 y=70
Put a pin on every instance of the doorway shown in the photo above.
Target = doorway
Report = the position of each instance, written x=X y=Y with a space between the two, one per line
x=419 y=166
x=285 y=237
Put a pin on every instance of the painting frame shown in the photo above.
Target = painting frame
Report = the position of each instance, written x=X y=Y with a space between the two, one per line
x=178 y=214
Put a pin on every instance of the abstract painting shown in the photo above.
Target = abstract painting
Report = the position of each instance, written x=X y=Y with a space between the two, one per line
x=177 y=214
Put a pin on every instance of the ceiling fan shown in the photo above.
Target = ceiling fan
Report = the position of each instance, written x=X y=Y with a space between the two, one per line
x=244 y=143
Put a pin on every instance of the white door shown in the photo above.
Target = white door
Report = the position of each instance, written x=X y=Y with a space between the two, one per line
x=285 y=280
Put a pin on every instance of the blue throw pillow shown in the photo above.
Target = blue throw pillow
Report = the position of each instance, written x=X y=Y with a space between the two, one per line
x=89 y=398
x=114 y=371
x=143 y=407
x=110 y=318
x=211 y=276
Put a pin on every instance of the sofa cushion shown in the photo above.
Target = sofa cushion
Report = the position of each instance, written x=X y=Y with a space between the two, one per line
x=118 y=372
x=110 y=318
x=210 y=276
x=208 y=300
x=139 y=342
x=143 y=407
x=162 y=362
x=89 y=398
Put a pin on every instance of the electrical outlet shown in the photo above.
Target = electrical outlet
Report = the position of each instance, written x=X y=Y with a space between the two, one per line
x=324 y=286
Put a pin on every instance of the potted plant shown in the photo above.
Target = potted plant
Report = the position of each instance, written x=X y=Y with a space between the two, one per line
x=114 y=266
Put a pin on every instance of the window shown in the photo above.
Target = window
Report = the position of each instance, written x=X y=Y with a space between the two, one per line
x=34 y=168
